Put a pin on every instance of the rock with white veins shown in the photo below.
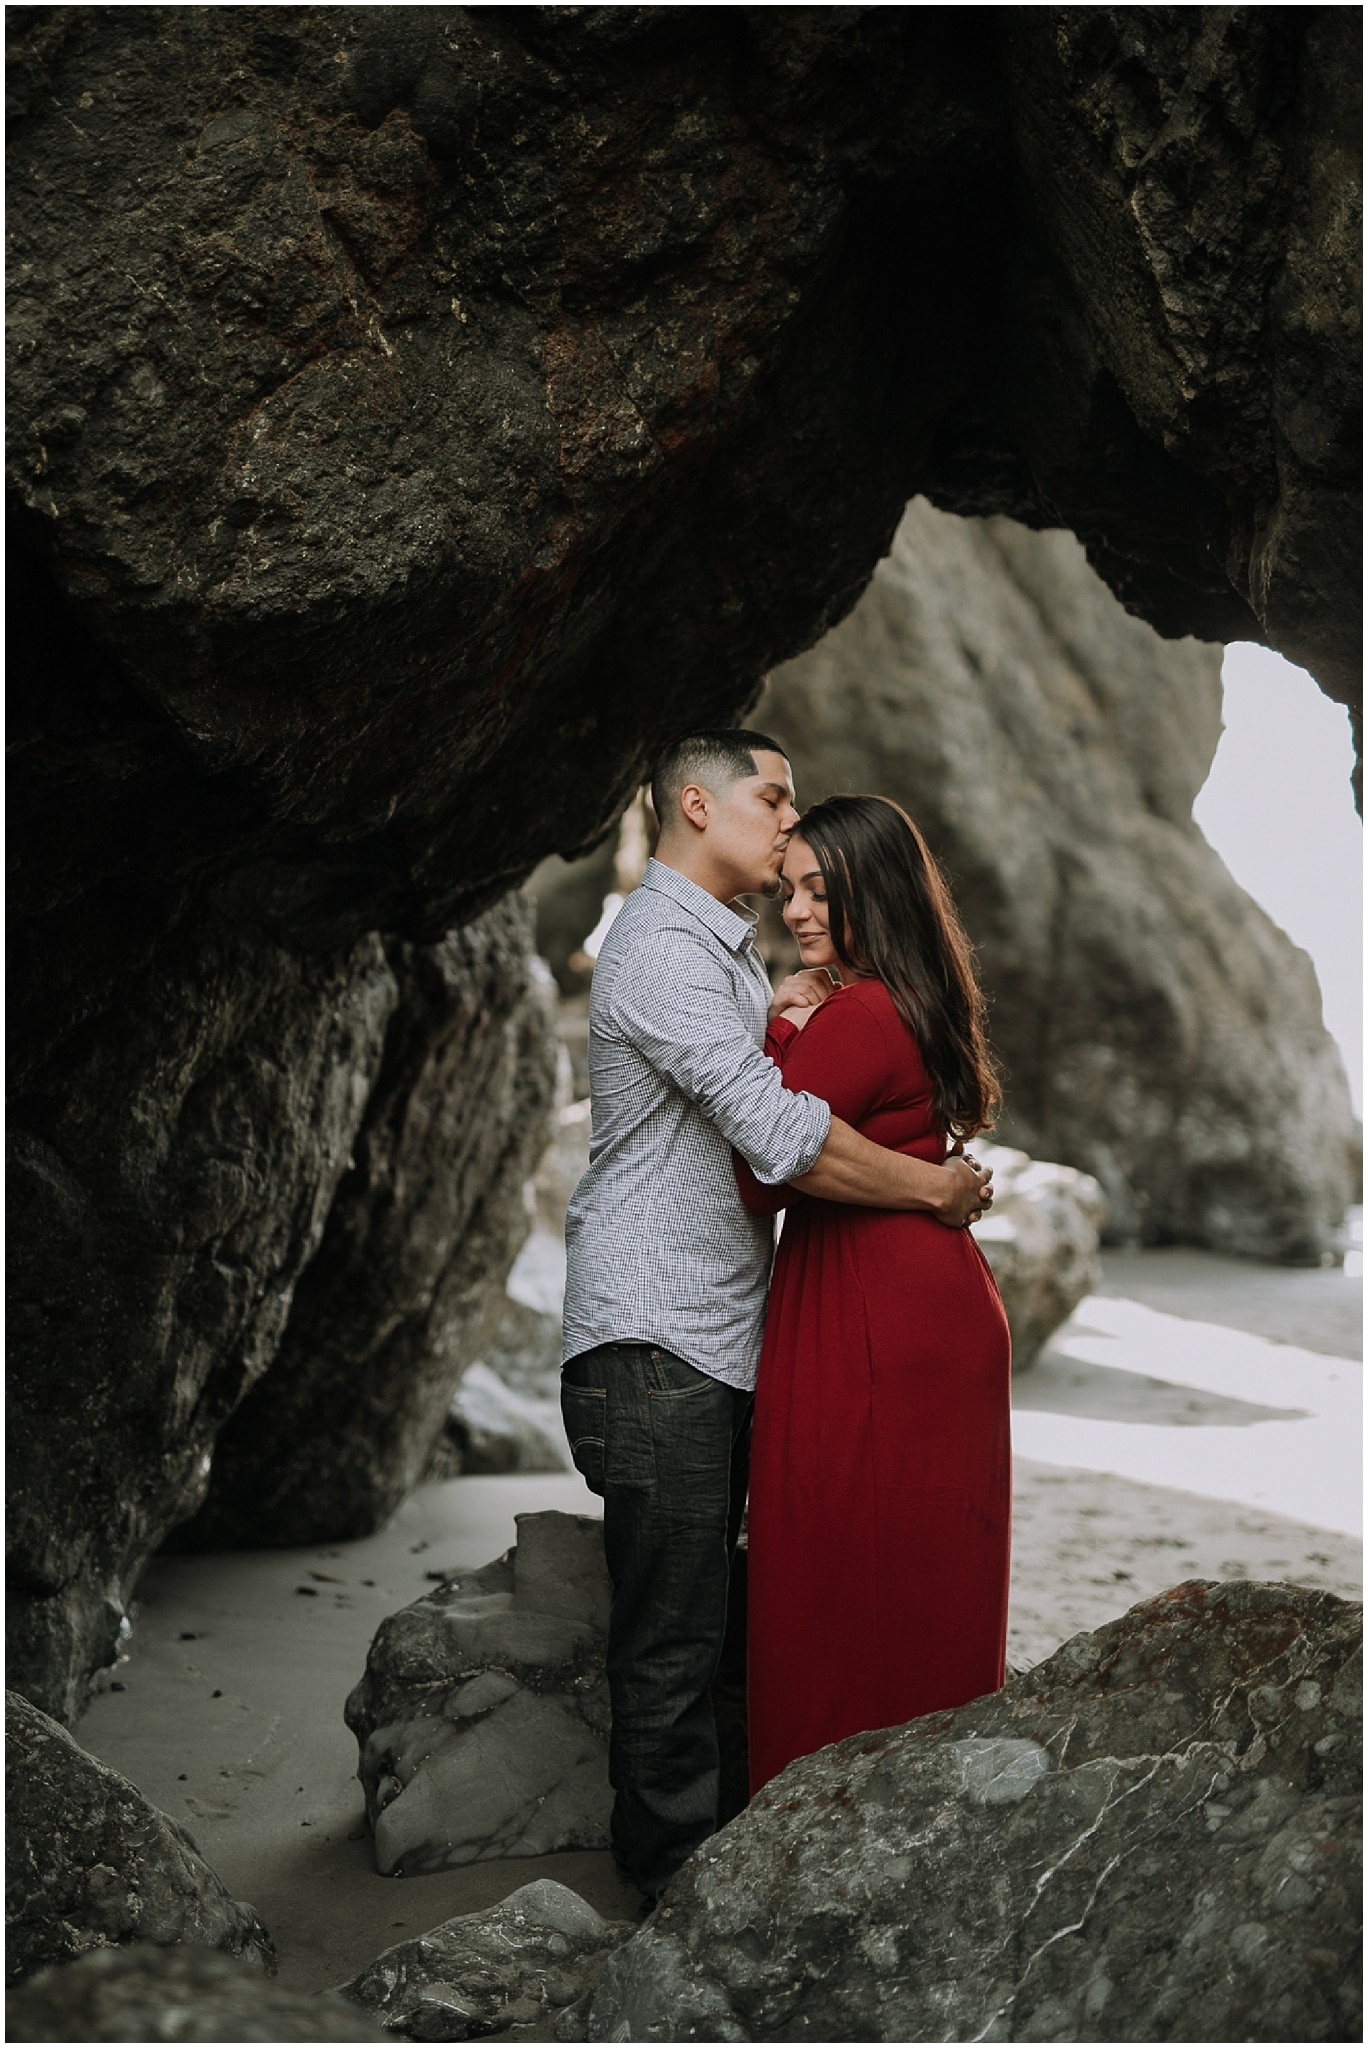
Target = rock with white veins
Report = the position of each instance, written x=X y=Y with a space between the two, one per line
x=1151 y=1836
x=536 y=1952
x=482 y=1718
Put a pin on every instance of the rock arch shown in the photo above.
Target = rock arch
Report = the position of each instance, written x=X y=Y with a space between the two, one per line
x=418 y=413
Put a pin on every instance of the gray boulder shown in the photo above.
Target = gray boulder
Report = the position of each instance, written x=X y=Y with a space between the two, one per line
x=537 y=1951
x=525 y=1349
x=1040 y=1238
x=90 y=1863
x=482 y=1717
x=408 y=1279
x=178 y=1994
x=1153 y=1835
x=492 y=1428
x=1156 y=1028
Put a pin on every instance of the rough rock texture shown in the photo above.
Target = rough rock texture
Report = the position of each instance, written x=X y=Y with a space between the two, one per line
x=1040 y=1238
x=409 y=1276
x=90 y=1864
x=482 y=1718
x=504 y=342
x=1151 y=1836
x=169 y=1179
x=1156 y=1028
x=1193 y=186
x=417 y=414
x=538 y=1950
x=170 y=1183
x=157 y=1994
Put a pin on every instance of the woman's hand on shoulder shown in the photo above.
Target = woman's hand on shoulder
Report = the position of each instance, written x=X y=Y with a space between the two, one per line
x=800 y=994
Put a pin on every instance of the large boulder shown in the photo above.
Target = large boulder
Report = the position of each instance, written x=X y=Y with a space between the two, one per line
x=362 y=1119
x=1156 y=1028
x=158 y=1994
x=534 y=1953
x=169 y=1179
x=408 y=1280
x=490 y=1427
x=1040 y=1238
x=1151 y=1836
x=90 y=1864
x=482 y=1716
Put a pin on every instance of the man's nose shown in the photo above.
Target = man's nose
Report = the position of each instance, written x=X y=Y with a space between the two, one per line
x=789 y=819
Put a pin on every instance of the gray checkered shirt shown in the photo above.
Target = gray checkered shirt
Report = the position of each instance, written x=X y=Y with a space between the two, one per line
x=659 y=1248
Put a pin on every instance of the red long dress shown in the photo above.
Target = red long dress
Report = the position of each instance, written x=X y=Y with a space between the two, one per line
x=881 y=1483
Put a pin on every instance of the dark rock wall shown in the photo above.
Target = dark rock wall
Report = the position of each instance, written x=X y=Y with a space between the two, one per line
x=367 y=1119
x=435 y=407
x=1156 y=1028
x=408 y=1280
x=170 y=1178
x=416 y=415
x=1176 y=369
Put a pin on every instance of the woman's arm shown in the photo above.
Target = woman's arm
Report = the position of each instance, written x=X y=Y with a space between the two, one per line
x=849 y=1057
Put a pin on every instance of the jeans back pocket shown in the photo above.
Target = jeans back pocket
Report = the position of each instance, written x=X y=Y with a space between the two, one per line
x=584 y=1409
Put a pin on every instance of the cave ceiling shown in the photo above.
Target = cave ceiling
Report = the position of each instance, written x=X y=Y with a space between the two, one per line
x=417 y=414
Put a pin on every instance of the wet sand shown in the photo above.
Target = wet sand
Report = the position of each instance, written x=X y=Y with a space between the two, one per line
x=230 y=1713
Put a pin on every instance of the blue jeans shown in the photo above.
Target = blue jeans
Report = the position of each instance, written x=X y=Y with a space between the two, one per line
x=669 y=1449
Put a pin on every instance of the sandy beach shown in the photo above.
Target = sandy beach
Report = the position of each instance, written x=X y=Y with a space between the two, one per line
x=1241 y=1379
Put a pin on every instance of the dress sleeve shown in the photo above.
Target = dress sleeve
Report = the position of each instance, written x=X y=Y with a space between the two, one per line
x=845 y=1056
x=759 y=1197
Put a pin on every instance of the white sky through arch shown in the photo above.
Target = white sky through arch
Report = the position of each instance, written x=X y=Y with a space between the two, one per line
x=1278 y=809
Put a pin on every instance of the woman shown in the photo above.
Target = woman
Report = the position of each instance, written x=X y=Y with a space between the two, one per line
x=880 y=1502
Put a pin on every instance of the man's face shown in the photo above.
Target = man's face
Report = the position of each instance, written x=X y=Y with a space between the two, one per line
x=750 y=826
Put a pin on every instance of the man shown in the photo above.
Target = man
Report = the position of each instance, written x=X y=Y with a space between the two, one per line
x=668 y=1273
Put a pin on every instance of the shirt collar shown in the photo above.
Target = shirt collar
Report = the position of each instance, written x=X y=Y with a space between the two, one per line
x=735 y=928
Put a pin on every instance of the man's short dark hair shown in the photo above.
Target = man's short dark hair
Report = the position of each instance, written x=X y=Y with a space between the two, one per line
x=716 y=759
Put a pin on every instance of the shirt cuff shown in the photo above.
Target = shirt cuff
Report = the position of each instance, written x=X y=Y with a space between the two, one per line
x=811 y=1147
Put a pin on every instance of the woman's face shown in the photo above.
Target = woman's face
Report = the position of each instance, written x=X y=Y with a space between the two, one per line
x=805 y=905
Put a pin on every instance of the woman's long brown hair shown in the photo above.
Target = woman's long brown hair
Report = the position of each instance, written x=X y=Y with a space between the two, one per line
x=891 y=915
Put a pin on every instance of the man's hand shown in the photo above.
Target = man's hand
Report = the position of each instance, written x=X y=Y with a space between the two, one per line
x=802 y=991
x=852 y=1168
x=968 y=1191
